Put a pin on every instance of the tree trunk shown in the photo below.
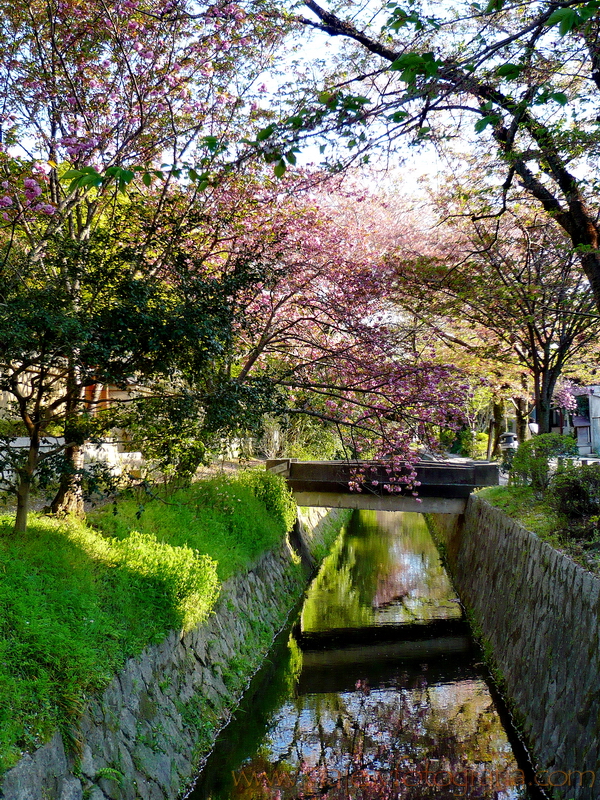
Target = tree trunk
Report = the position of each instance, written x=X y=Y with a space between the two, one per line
x=499 y=411
x=69 y=497
x=544 y=404
x=26 y=473
x=22 y=506
x=543 y=415
x=522 y=415
x=490 y=439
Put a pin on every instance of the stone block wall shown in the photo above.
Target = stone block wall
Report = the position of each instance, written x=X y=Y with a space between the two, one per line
x=146 y=736
x=539 y=616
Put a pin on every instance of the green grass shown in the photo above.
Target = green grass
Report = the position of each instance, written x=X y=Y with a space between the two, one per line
x=233 y=520
x=521 y=503
x=76 y=601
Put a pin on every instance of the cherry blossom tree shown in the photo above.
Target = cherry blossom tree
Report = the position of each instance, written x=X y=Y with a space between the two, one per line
x=318 y=325
x=95 y=96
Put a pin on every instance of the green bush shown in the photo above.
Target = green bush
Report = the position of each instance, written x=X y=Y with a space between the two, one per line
x=469 y=443
x=273 y=492
x=233 y=519
x=575 y=491
x=480 y=445
x=531 y=464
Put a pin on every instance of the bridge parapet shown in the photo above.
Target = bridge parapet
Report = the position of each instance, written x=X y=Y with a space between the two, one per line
x=444 y=485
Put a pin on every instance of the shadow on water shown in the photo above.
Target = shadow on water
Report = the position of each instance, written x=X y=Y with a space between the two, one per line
x=376 y=691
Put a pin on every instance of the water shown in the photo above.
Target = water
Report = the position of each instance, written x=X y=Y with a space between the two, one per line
x=377 y=691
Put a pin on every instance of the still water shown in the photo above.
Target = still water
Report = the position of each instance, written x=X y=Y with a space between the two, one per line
x=376 y=692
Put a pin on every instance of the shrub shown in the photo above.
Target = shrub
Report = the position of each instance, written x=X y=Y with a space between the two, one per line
x=575 y=491
x=531 y=464
x=273 y=492
x=158 y=571
x=469 y=443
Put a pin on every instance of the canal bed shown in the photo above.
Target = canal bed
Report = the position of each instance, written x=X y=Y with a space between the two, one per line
x=377 y=691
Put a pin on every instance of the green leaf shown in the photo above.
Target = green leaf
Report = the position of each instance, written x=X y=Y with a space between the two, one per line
x=211 y=142
x=510 y=71
x=147 y=179
x=280 y=169
x=565 y=18
x=72 y=173
x=273 y=156
x=398 y=116
x=265 y=133
x=560 y=98
x=89 y=180
x=123 y=176
x=291 y=157
x=325 y=97
x=412 y=64
x=490 y=119
x=589 y=10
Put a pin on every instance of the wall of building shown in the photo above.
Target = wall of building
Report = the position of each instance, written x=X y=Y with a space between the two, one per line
x=538 y=614
x=147 y=734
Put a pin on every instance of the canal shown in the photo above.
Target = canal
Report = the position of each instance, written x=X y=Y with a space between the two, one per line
x=376 y=690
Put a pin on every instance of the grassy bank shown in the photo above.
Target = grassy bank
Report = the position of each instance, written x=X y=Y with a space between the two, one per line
x=522 y=504
x=77 y=600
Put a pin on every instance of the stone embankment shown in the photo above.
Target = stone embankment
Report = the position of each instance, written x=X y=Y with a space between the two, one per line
x=538 y=614
x=149 y=731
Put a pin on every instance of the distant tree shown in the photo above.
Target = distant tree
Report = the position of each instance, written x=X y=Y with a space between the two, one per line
x=513 y=292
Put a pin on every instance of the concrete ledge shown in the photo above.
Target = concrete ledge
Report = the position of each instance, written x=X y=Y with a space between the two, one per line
x=361 y=500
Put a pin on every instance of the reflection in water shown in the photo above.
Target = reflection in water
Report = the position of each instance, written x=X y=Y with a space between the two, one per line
x=385 y=570
x=406 y=714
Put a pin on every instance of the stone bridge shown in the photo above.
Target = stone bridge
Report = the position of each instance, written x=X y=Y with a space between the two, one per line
x=445 y=485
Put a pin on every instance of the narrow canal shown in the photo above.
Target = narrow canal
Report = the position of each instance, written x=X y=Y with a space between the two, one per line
x=377 y=691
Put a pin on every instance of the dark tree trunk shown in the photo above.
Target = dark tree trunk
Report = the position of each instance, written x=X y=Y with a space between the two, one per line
x=522 y=415
x=25 y=474
x=69 y=497
x=544 y=400
x=543 y=416
x=499 y=410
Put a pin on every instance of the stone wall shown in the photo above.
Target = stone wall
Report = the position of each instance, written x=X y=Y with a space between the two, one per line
x=148 y=733
x=538 y=613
